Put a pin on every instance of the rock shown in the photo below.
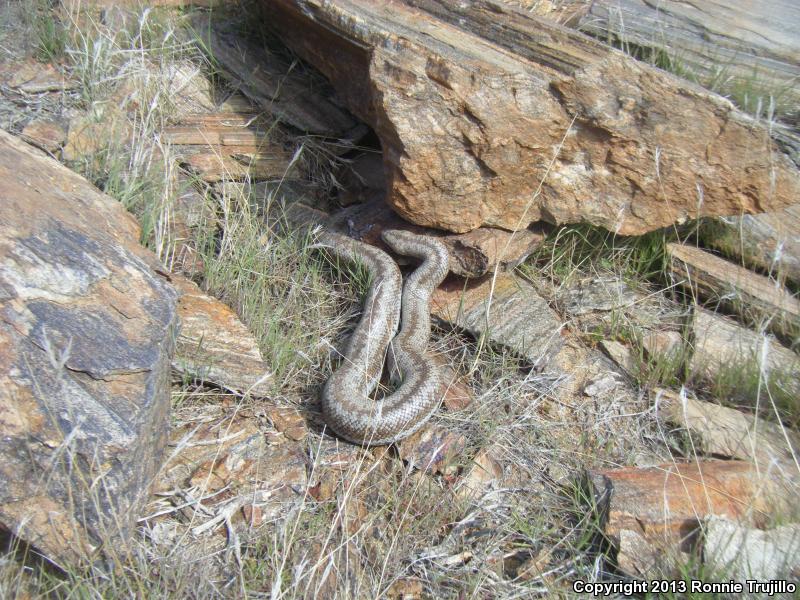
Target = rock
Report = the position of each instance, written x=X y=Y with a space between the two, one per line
x=86 y=336
x=661 y=508
x=215 y=346
x=602 y=386
x=329 y=454
x=663 y=342
x=742 y=553
x=585 y=381
x=289 y=422
x=456 y=394
x=232 y=453
x=483 y=471
x=432 y=449
x=270 y=82
x=487 y=249
x=407 y=588
x=229 y=457
x=88 y=135
x=506 y=309
x=729 y=432
x=34 y=77
x=46 y=134
x=473 y=254
x=190 y=91
x=243 y=130
x=229 y=163
x=759 y=48
x=639 y=557
x=770 y=241
x=599 y=294
x=721 y=346
x=620 y=354
x=712 y=277
x=84 y=137
x=191 y=216
x=253 y=515
x=524 y=120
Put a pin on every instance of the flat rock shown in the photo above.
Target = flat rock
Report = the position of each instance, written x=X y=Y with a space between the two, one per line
x=289 y=422
x=598 y=294
x=86 y=337
x=231 y=451
x=456 y=394
x=491 y=116
x=433 y=449
x=47 y=134
x=190 y=91
x=89 y=134
x=770 y=241
x=231 y=462
x=620 y=354
x=271 y=82
x=234 y=163
x=33 y=77
x=744 y=553
x=718 y=280
x=242 y=129
x=728 y=432
x=662 y=507
x=487 y=249
x=663 y=342
x=506 y=310
x=759 y=48
x=721 y=344
x=484 y=471
x=192 y=213
x=214 y=346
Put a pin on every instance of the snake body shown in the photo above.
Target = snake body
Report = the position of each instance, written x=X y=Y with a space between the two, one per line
x=346 y=403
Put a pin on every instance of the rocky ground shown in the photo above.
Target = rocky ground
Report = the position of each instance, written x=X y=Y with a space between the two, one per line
x=593 y=379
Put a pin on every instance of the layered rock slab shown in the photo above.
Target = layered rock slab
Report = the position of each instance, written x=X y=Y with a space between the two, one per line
x=490 y=116
x=86 y=334
x=215 y=346
x=653 y=515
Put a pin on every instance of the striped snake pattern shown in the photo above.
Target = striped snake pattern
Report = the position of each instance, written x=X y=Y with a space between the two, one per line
x=346 y=399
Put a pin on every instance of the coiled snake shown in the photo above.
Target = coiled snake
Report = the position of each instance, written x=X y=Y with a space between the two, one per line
x=346 y=403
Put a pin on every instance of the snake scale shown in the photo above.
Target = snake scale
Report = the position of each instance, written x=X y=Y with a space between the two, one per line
x=346 y=399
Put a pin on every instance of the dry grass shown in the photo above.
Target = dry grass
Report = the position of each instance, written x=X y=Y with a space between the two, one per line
x=337 y=521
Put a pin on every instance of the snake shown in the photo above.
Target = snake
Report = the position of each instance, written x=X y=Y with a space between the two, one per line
x=347 y=404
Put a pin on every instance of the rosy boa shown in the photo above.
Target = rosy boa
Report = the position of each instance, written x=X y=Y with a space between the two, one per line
x=346 y=402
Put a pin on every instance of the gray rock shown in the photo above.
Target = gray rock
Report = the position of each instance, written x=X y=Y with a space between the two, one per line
x=87 y=328
x=721 y=344
x=744 y=553
x=507 y=310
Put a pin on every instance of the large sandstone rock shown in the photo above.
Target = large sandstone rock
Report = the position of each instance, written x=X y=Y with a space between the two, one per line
x=490 y=116
x=86 y=334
